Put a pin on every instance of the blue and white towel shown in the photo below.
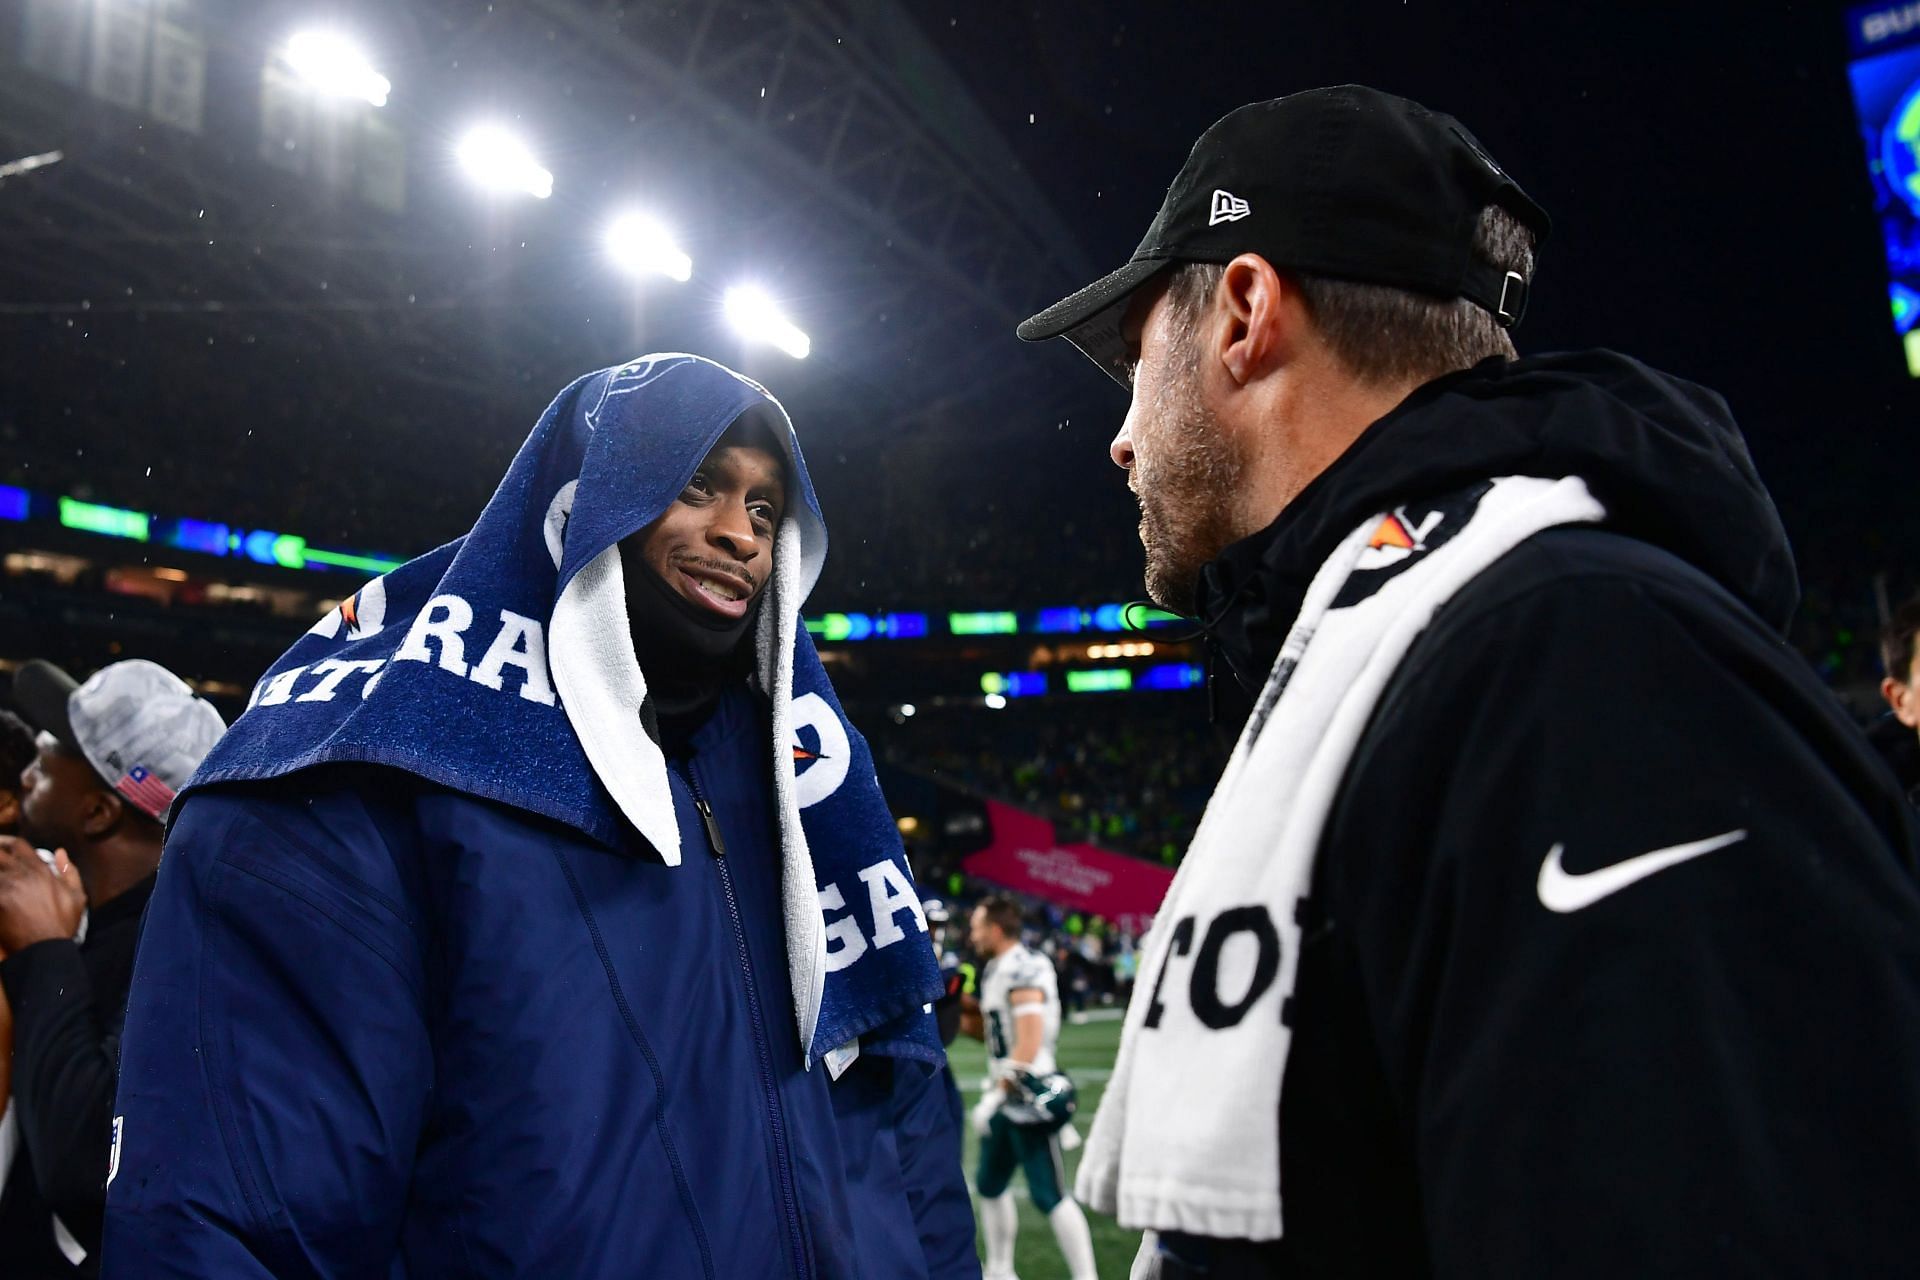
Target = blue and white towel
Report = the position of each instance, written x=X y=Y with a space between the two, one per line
x=501 y=665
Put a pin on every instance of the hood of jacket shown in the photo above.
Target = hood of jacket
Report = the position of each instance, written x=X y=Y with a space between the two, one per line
x=1661 y=454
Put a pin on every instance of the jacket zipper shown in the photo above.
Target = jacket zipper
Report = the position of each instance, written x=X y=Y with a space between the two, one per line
x=776 y=1122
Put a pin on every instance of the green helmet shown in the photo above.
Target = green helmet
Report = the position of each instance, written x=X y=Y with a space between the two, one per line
x=1045 y=1102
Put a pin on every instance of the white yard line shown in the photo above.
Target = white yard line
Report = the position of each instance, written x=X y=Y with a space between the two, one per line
x=1095 y=1015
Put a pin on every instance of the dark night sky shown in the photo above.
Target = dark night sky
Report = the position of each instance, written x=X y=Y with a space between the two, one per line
x=1701 y=162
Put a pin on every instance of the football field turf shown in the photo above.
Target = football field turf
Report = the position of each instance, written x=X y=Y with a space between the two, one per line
x=1086 y=1053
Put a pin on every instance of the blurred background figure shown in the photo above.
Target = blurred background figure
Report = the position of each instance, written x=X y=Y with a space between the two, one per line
x=1020 y=1019
x=16 y=753
x=1897 y=734
x=954 y=972
x=108 y=759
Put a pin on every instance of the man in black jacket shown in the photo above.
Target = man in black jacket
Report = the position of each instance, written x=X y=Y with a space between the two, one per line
x=110 y=755
x=1609 y=959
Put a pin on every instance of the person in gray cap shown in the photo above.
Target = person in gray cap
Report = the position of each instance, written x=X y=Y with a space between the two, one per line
x=1550 y=918
x=110 y=754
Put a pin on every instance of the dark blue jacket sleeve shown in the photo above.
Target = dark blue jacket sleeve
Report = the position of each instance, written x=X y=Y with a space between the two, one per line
x=275 y=1067
x=899 y=1123
x=928 y=1119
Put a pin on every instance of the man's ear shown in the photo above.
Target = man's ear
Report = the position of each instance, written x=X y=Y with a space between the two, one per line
x=1263 y=317
x=1904 y=699
x=103 y=811
x=9 y=809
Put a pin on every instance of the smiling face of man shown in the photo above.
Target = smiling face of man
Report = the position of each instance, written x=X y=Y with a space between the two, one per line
x=713 y=547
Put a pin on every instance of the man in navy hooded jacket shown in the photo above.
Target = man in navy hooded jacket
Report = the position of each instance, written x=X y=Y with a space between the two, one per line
x=498 y=948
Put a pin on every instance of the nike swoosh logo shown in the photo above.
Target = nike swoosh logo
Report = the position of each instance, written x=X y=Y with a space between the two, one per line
x=1563 y=892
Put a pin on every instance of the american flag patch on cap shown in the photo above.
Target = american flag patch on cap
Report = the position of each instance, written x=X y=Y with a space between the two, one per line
x=146 y=791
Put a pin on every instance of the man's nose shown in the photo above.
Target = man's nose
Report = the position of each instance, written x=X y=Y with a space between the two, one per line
x=1121 y=450
x=732 y=529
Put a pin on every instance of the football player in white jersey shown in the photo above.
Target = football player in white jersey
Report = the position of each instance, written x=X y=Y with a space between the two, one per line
x=1020 y=1021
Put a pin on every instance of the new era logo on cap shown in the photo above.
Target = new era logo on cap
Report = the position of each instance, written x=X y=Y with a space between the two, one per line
x=1227 y=207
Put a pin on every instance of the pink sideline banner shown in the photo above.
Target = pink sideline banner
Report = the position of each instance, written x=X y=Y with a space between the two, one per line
x=1025 y=857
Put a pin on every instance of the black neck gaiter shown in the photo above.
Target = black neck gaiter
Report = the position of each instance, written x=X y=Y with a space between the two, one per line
x=687 y=654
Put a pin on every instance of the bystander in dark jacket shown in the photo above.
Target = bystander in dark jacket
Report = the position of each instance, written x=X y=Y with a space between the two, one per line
x=108 y=758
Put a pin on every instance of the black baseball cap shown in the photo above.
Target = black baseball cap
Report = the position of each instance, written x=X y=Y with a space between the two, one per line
x=43 y=693
x=1347 y=182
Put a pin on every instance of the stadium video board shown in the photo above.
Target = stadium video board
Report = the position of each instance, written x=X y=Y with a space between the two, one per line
x=1885 y=73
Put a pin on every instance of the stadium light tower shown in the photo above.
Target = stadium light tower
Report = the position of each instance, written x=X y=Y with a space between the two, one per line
x=335 y=66
x=755 y=315
x=500 y=161
x=641 y=246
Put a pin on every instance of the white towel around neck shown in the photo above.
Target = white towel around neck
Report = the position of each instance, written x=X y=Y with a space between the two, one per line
x=1188 y=1134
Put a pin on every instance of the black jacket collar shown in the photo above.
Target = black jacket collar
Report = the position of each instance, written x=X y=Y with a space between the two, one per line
x=1662 y=455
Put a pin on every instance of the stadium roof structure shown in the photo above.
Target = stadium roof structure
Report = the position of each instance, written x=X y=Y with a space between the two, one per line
x=819 y=148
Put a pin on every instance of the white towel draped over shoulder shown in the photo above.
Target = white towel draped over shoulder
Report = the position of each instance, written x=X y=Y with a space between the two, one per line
x=1184 y=1139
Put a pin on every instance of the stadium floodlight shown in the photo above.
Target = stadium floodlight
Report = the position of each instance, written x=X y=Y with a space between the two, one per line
x=641 y=246
x=500 y=161
x=757 y=316
x=27 y=164
x=335 y=66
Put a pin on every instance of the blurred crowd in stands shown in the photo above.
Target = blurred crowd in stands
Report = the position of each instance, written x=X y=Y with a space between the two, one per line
x=1128 y=773
x=341 y=465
